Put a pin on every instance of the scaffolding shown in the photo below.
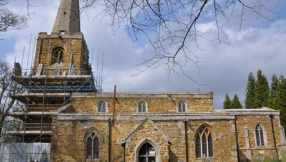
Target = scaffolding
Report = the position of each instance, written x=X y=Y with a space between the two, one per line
x=46 y=91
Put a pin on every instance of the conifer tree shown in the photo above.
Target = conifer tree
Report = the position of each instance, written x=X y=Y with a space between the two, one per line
x=235 y=103
x=279 y=100
x=227 y=102
x=261 y=90
x=273 y=89
x=250 y=92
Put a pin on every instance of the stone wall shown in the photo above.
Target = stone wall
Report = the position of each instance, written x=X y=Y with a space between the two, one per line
x=69 y=143
x=247 y=140
x=160 y=126
x=154 y=105
x=46 y=44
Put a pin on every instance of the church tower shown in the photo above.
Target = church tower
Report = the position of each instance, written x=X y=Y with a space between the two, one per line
x=61 y=67
x=65 y=49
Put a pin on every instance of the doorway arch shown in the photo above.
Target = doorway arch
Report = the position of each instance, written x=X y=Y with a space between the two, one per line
x=148 y=151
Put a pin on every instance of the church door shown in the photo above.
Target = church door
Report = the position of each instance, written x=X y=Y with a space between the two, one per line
x=147 y=153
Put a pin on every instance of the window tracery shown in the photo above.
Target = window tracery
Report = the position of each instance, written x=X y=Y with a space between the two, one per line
x=92 y=146
x=259 y=135
x=204 y=143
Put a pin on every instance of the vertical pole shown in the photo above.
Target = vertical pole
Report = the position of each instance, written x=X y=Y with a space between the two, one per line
x=186 y=137
x=109 y=141
x=170 y=144
x=114 y=98
x=236 y=136
x=123 y=145
x=273 y=132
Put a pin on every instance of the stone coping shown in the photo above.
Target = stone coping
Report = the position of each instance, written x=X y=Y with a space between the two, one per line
x=146 y=95
x=30 y=132
x=31 y=94
x=220 y=115
x=60 y=77
x=30 y=113
x=67 y=35
x=83 y=117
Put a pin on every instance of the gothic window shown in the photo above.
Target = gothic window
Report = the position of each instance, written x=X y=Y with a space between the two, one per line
x=147 y=153
x=92 y=146
x=259 y=135
x=142 y=106
x=101 y=106
x=182 y=106
x=58 y=55
x=204 y=143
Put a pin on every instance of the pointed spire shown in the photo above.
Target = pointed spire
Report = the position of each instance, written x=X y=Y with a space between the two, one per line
x=68 y=19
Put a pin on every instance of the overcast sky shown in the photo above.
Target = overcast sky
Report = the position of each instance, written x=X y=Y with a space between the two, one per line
x=225 y=68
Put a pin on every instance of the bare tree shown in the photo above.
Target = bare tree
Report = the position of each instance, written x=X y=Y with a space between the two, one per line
x=7 y=87
x=9 y=20
x=171 y=25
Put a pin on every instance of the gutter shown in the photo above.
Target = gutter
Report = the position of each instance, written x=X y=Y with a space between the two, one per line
x=186 y=138
x=170 y=144
x=123 y=143
x=109 y=142
x=236 y=136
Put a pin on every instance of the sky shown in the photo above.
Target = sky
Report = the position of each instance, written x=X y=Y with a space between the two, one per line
x=224 y=68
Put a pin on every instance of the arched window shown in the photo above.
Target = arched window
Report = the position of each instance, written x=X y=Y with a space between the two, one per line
x=182 y=106
x=259 y=135
x=101 y=106
x=92 y=146
x=142 y=106
x=58 y=55
x=147 y=153
x=204 y=143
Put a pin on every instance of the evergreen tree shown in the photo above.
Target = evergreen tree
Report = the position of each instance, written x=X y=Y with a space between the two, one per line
x=272 y=93
x=261 y=90
x=250 y=92
x=279 y=100
x=235 y=103
x=227 y=102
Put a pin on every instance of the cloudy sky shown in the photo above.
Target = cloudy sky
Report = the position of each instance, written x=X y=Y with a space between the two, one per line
x=224 y=68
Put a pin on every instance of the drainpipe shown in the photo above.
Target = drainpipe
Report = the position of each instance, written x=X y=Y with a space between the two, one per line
x=186 y=137
x=170 y=144
x=273 y=132
x=109 y=143
x=114 y=99
x=123 y=143
x=236 y=136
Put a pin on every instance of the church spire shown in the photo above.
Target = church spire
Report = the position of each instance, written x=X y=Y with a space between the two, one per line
x=68 y=19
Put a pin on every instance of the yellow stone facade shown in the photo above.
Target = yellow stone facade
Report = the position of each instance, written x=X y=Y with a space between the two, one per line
x=233 y=131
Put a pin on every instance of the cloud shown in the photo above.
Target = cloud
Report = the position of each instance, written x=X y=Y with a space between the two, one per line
x=225 y=68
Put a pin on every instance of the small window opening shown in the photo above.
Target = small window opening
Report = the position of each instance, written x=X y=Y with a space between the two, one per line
x=181 y=106
x=101 y=105
x=58 y=55
x=142 y=106
x=62 y=32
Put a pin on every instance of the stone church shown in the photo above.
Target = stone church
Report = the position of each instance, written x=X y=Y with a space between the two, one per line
x=83 y=124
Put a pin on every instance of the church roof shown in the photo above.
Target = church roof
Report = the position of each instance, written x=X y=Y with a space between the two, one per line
x=68 y=17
